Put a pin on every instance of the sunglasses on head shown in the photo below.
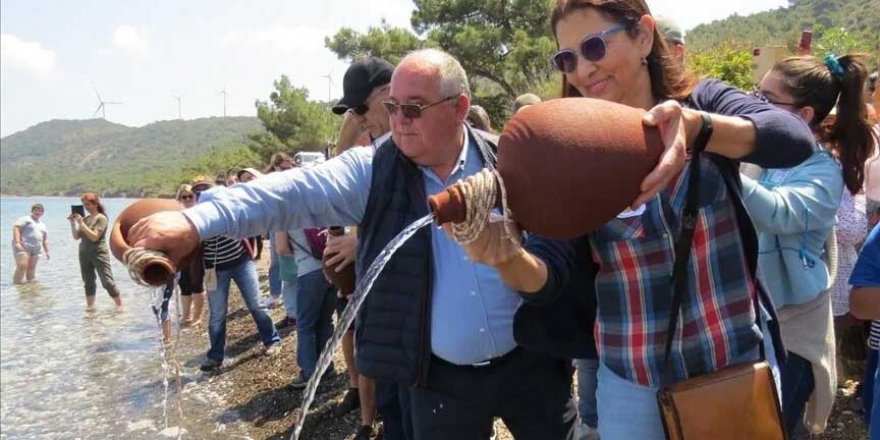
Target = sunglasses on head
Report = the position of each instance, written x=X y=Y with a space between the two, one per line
x=592 y=48
x=412 y=111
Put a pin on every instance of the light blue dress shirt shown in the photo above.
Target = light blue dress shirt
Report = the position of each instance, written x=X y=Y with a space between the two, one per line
x=472 y=309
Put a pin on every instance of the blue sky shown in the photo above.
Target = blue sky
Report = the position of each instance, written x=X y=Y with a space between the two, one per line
x=141 y=53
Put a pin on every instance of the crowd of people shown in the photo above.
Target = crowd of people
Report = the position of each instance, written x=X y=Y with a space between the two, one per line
x=716 y=263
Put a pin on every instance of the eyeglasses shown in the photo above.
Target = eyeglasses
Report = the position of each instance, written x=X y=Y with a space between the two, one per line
x=758 y=93
x=187 y=197
x=593 y=48
x=413 y=111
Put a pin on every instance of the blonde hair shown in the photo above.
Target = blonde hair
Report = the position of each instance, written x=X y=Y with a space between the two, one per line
x=183 y=189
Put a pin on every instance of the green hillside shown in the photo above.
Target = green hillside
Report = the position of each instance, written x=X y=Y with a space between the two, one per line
x=859 y=18
x=63 y=157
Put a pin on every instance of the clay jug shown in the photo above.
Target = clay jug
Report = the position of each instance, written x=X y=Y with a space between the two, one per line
x=345 y=280
x=156 y=271
x=569 y=166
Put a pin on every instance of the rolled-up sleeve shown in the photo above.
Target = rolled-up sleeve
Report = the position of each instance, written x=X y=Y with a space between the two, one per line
x=332 y=193
x=782 y=139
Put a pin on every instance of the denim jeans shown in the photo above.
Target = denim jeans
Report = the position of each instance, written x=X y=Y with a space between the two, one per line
x=628 y=410
x=245 y=277
x=315 y=301
x=797 y=386
x=587 y=370
x=288 y=291
x=274 y=272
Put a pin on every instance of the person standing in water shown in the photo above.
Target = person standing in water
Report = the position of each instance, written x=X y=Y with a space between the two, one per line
x=192 y=277
x=93 y=253
x=30 y=238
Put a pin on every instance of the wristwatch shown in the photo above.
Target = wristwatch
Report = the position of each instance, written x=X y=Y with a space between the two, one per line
x=706 y=130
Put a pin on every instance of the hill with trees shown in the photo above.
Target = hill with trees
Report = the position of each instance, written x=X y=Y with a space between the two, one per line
x=504 y=45
x=65 y=157
x=838 y=26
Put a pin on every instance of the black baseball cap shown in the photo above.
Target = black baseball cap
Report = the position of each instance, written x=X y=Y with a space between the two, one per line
x=359 y=81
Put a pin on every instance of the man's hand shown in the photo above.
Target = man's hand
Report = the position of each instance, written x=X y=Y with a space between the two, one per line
x=343 y=249
x=669 y=118
x=169 y=232
x=349 y=132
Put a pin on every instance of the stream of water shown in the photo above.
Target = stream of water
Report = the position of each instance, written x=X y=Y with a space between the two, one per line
x=360 y=294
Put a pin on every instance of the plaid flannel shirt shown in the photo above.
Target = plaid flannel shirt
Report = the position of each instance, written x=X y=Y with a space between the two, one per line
x=635 y=253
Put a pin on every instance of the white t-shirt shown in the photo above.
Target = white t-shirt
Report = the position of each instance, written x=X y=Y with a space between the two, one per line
x=33 y=232
x=305 y=262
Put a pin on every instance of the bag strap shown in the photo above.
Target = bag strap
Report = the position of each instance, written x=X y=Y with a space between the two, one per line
x=307 y=251
x=683 y=245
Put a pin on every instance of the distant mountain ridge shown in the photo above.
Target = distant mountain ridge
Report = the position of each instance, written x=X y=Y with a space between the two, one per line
x=783 y=26
x=67 y=157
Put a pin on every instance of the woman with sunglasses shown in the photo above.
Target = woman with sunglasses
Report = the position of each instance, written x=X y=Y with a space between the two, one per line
x=611 y=50
x=795 y=210
x=93 y=253
x=192 y=277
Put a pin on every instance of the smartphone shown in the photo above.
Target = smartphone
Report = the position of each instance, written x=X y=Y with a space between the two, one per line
x=78 y=209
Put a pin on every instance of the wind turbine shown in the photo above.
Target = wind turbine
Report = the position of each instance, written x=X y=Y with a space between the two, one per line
x=329 y=77
x=102 y=105
x=223 y=92
x=178 y=97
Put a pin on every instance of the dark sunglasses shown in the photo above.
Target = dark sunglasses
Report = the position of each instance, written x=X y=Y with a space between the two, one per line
x=758 y=93
x=593 y=48
x=360 y=110
x=412 y=111
x=187 y=197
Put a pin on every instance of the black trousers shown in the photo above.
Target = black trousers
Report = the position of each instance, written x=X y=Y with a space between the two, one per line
x=529 y=391
x=392 y=403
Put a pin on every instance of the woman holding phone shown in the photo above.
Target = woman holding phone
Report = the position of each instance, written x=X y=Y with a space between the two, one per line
x=93 y=254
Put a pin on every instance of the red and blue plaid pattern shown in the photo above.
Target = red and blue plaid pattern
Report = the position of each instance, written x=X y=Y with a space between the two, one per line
x=634 y=287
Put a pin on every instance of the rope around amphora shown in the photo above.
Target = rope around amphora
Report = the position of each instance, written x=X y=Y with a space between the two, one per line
x=480 y=191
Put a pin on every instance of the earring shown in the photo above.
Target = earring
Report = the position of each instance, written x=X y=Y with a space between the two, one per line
x=644 y=61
